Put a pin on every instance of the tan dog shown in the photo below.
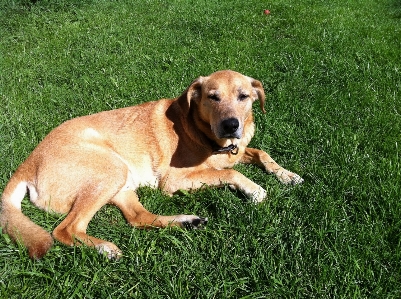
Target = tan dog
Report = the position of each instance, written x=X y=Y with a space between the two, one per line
x=178 y=144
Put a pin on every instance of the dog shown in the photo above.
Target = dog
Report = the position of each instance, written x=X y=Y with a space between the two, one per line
x=173 y=144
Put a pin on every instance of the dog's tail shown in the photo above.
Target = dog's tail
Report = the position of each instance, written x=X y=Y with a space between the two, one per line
x=18 y=226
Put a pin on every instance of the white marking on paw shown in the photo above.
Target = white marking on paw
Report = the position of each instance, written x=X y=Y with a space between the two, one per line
x=296 y=179
x=259 y=195
x=110 y=250
x=288 y=177
x=185 y=218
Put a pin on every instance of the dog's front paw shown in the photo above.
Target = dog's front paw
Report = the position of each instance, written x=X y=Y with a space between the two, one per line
x=259 y=195
x=296 y=179
x=191 y=221
x=288 y=177
x=110 y=250
x=253 y=191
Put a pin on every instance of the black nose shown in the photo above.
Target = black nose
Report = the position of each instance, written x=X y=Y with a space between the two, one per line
x=230 y=125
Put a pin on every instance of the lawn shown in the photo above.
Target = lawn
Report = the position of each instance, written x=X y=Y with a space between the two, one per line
x=332 y=75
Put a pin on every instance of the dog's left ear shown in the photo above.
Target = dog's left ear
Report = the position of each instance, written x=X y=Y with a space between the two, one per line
x=259 y=92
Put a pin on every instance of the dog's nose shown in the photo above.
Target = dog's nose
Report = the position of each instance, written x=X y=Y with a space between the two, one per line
x=230 y=125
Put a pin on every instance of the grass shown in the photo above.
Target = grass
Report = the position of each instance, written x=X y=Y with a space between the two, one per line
x=331 y=71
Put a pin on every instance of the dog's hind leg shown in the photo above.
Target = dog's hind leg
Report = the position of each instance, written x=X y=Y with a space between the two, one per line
x=127 y=201
x=72 y=230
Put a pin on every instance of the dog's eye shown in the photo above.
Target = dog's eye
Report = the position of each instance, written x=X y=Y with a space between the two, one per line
x=214 y=97
x=242 y=97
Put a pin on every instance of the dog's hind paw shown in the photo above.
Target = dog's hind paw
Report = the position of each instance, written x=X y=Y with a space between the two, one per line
x=192 y=222
x=198 y=223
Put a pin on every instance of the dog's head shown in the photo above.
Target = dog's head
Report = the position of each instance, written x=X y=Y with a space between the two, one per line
x=224 y=101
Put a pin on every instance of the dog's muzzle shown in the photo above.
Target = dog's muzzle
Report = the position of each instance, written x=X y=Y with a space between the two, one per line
x=229 y=128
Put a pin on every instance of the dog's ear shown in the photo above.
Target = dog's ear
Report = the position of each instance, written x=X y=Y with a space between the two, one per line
x=194 y=91
x=259 y=92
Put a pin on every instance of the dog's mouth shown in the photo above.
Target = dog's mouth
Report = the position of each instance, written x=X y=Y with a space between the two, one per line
x=230 y=136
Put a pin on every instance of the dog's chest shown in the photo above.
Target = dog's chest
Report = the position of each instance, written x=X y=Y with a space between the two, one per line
x=222 y=161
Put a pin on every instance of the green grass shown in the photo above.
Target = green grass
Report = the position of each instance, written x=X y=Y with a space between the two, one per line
x=332 y=74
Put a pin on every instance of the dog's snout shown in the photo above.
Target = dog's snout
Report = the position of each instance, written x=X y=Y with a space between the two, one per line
x=230 y=125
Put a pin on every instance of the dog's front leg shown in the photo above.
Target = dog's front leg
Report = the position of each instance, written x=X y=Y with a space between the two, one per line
x=219 y=178
x=262 y=159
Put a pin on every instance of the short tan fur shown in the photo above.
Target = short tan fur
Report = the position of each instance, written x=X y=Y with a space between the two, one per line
x=172 y=144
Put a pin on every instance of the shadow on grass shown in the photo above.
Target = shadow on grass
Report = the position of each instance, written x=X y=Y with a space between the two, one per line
x=395 y=9
x=10 y=7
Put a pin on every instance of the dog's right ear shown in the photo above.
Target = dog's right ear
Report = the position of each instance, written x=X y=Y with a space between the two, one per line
x=192 y=94
x=194 y=91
